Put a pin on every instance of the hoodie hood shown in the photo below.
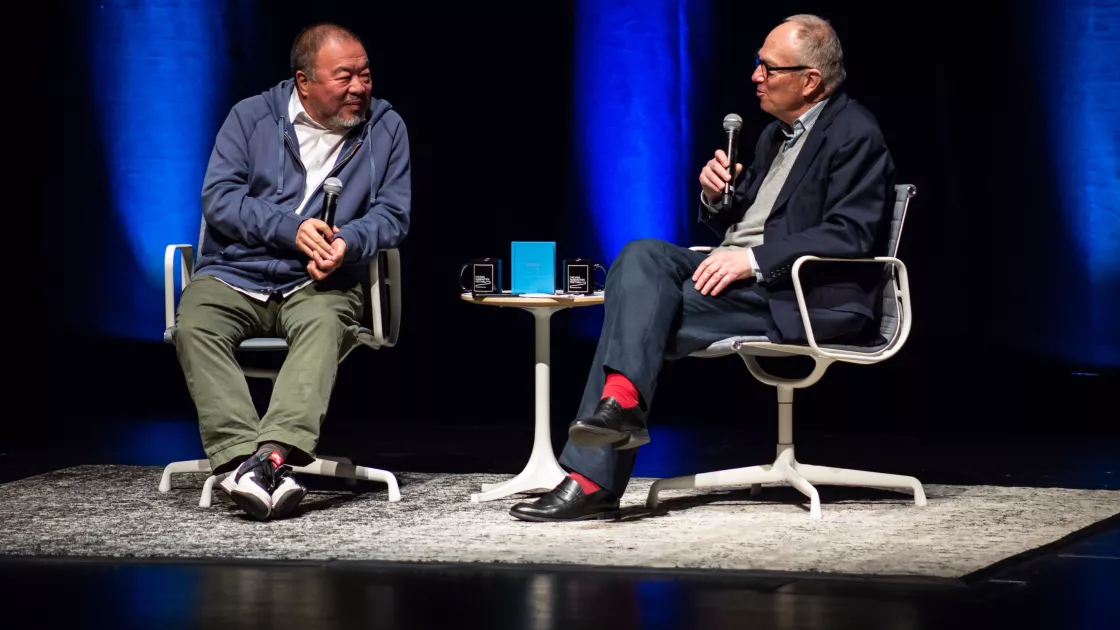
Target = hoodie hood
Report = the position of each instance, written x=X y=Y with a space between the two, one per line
x=278 y=97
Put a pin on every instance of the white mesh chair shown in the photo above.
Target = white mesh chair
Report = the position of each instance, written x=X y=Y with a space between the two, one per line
x=894 y=328
x=385 y=286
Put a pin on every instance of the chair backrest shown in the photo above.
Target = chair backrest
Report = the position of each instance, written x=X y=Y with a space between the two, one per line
x=888 y=323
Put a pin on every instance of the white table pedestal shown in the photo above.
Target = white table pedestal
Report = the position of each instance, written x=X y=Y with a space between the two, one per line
x=542 y=472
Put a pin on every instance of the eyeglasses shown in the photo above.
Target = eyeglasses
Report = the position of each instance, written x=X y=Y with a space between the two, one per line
x=767 y=69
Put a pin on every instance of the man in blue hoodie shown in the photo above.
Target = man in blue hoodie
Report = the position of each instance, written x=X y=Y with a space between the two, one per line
x=269 y=265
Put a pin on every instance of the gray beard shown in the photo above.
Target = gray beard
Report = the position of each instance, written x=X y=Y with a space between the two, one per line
x=339 y=123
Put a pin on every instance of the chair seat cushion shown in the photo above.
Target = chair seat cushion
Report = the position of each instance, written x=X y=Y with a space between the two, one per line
x=363 y=335
x=263 y=343
x=763 y=347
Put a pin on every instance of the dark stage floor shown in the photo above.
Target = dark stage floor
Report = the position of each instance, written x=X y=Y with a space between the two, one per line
x=1069 y=587
x=1073 y=590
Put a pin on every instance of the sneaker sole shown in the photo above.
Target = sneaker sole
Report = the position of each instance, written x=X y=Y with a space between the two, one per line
x=592 y=437
x=288 y=502
x=251 y=504
x=227 y=483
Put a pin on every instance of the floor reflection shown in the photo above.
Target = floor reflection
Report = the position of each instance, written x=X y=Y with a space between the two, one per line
x=1073 y=594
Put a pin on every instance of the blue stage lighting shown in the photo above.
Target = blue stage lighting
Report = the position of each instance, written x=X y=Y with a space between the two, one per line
x=632 y=87
x=159 y=69
x=1085 y=117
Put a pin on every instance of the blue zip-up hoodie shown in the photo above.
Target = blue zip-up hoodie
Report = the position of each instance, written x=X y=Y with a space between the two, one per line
x=255 y=181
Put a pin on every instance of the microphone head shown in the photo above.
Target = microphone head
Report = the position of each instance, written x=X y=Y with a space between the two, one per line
x=333 y=185
x=732 y=122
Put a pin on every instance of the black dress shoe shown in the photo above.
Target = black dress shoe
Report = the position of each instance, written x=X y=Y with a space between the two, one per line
x=610 y=424
x=568 y=502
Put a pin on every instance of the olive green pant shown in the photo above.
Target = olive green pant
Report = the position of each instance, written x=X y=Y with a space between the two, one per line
x=214 y=319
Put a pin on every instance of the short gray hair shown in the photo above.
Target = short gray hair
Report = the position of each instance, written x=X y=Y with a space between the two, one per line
x=820 y=48
x=305 y=48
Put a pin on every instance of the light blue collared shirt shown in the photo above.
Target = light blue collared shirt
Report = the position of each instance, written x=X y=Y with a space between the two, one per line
x=801 y=126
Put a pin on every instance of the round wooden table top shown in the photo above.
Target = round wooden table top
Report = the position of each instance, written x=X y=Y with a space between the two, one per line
x=535 y=300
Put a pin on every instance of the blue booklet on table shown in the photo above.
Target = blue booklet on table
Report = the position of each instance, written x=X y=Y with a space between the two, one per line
x=534 y=267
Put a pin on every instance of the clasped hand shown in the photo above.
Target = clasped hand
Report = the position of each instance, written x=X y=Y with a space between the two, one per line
x=317 y=240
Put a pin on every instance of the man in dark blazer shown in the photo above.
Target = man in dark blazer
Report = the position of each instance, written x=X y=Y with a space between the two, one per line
x=820 y=183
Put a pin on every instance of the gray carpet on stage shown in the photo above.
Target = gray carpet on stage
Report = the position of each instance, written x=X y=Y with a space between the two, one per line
x=117 y=511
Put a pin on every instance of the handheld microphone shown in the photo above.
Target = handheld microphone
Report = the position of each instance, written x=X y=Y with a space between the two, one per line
x=332 y=187
x=732 y=123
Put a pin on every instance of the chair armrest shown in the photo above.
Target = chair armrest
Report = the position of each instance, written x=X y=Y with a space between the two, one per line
x=393 y=279
x=186 y=260
x=902 y=291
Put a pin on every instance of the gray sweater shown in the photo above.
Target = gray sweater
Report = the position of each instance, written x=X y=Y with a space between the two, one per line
x=748 y=231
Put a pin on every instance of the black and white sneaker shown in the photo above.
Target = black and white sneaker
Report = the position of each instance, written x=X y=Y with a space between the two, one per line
x=287 y=493
x=250 y=486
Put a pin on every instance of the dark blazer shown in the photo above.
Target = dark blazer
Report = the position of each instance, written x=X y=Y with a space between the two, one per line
x=836 y=203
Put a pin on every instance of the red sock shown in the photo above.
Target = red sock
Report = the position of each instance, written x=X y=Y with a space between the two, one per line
x=277 y=459
x=621 y=389
x=585 y=483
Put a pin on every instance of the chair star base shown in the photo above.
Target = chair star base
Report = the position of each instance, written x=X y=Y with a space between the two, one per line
x=786 y=469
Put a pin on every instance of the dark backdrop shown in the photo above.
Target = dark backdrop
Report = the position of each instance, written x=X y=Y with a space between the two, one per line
x=486 y=91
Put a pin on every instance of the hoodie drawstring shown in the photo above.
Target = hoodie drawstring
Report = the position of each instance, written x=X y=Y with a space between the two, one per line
x=280 y=156
x=372 y=169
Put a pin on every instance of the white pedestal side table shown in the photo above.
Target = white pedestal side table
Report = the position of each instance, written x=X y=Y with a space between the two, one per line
x=542 y=471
